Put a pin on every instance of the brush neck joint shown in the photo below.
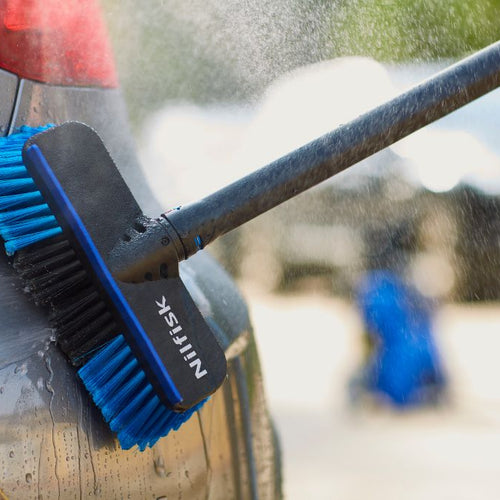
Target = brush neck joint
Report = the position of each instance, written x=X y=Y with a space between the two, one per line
x=151 y=250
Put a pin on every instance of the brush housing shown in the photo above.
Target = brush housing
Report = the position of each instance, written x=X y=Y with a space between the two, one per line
x=167 y=334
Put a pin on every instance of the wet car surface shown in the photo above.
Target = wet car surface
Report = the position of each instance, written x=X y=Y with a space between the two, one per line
x=54 y=443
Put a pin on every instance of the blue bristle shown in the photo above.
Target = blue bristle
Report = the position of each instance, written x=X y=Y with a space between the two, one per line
x=129 y=396
x=20 y=200
x=117 y=393
x=22 y=185
x=155 y=419
x=11 y=155
x=126 y=399
x=102 y=389
x=24 y=213
x=109 y=354
x=24 y=218
x=14 y=229
x=13 y=172
x=136 y=425
x=106 y=376
x=16 y=141
x=12 y=246
x=135 y=398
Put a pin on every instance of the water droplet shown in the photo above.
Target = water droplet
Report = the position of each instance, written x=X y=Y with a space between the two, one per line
x=11 y=453
x=1 y=390
x=29 y=478
x=21 y=369
x=160 y=467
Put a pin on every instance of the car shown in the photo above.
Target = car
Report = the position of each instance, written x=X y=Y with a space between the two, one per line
x=54 y=442
x=56 y=66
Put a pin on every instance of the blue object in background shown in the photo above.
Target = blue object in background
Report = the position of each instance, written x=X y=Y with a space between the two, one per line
x=404 y=365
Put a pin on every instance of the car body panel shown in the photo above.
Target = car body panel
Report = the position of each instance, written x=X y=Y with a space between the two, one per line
x=53 y=441
x=8 y=88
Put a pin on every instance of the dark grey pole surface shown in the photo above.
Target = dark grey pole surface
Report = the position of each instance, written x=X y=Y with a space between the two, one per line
x=199 y=223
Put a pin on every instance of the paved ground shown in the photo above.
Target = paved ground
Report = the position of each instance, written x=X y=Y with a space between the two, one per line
x=309 y=347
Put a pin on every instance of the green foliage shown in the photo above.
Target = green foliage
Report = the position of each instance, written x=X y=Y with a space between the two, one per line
x=402 y=30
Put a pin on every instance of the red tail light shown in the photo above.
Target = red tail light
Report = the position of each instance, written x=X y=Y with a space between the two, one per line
x=56 y=41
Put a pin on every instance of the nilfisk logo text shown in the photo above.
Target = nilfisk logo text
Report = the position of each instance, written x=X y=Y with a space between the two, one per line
x=185 y=348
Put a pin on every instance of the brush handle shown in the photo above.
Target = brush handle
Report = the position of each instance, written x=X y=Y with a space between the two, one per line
x=196 y=225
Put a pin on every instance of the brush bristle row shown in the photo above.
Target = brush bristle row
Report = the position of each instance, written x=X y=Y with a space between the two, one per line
x=21 y=224
x=55 y=276
x=127 y=400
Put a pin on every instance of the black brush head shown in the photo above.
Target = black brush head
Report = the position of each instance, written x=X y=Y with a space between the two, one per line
x=60 y=273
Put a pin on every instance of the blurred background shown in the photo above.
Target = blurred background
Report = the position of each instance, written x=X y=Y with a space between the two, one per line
x=374 y=296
